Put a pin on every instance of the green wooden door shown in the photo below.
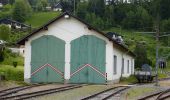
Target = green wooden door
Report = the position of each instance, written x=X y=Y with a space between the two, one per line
x=38 y=60
x=88 y=60
x=49 y=52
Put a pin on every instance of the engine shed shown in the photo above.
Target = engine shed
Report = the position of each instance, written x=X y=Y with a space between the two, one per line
x=67 y=49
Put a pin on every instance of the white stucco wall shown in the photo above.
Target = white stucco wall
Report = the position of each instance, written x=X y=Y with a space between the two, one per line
x=68 y=30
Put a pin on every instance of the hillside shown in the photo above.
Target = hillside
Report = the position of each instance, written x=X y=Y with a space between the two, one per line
x=40 y=18
x=131 y=38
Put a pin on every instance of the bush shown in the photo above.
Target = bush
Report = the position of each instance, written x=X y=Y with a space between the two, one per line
x=11 y=73
x=9 y=58
x=130 y=79
x=15 y=64
x=4 y=32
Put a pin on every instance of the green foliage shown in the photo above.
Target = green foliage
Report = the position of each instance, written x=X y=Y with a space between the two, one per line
x=96 y=7
x=10 y=57
x=15 y=36
x=21 y=11
x=95 y=21
x=41 y=5
x=4 y=32
x=164 y=8
x=11 y=2
x=141 y=55
x=11 y=73
x=130 y=79
x=137 y=19
x=5 y=14
x=165 y=25
x=7 y=7
x=15 y=64
x=82 y=10
x=40 y=18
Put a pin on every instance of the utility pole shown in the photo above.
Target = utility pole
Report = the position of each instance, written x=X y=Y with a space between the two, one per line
x=74 y=7
x=157 y=49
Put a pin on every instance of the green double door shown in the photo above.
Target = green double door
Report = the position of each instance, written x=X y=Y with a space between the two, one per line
x=47 y=59
x=88 y=57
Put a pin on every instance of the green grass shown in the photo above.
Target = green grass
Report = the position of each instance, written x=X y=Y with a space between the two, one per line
x=133 y=93
x=11 y=73
x=40 y=18
x=128 y=80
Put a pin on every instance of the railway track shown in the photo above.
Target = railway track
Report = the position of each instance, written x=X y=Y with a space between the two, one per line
x=164 y=95
x=39 y=93
x=17 y=89
x=161 y=95
x=107 y=94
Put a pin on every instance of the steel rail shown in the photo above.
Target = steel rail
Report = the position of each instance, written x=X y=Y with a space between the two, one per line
x=99 y=93
x=17 y=89
x=163 y=93
x=150 y=96
x=165 y=97
x=117 y=92
x=40 y=93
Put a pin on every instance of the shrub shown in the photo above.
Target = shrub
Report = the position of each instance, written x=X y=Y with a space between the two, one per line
x=11 y=73
x=15 y=64
x=130 y=79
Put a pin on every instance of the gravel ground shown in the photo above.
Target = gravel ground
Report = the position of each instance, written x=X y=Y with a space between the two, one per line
x=40 y=88
x=165 y=83
x=75 y=94
x=137 y=92
x=9 y=84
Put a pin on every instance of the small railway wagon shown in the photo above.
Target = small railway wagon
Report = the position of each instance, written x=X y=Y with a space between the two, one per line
x=67 y=49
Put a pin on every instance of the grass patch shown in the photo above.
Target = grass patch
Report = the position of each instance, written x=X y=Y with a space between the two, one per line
x=162 y=75
x=138 y=91
x=128 y=80
x=40 y=18
x=11 y=73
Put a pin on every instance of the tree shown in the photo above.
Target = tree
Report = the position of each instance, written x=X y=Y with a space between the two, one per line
x=165 y=25
x=6 y=7
x=39 y=6
x=139 y=19
x=97 y=7
x=130 y=21
x=21 y=11
x=109 y=16
x=11 y=2
x=94 y=20
x=4 y=32
x=141 y=55
x=82 y=10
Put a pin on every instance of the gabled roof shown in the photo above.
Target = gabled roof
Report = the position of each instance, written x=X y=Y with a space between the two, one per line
x=44 y=27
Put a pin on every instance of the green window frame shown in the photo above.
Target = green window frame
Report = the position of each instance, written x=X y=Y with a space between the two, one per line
x=123 y=65
x=127 y=66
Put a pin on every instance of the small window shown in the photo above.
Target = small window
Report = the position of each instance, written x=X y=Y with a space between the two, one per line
x=115 y=65
x=131 y=66
x=122 y=65
x=127 y=66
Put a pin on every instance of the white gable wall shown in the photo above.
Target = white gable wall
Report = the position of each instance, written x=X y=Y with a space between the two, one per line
x=68 y=30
